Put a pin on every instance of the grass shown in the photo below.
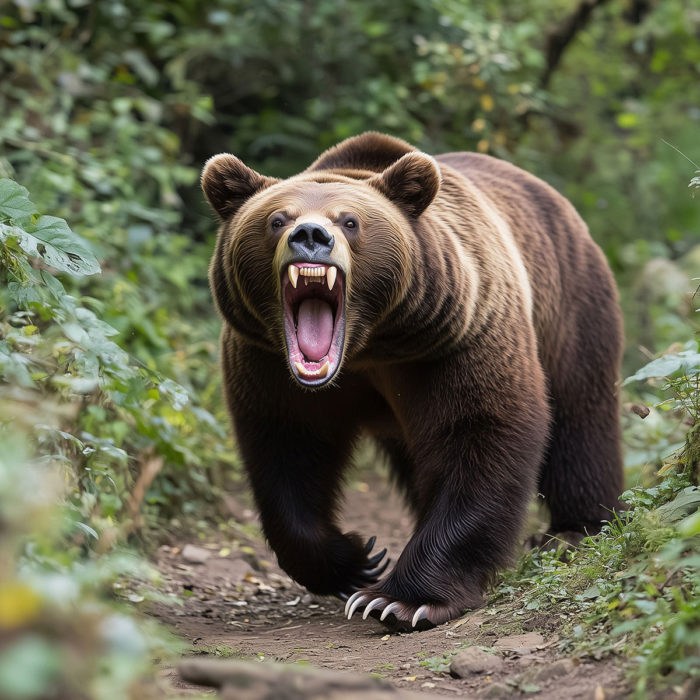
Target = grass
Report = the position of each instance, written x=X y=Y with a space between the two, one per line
x=633 y=591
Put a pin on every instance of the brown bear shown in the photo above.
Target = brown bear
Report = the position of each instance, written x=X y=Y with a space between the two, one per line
x=455 y=309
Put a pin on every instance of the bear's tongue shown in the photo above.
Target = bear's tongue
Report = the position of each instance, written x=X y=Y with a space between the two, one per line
x=314 y=328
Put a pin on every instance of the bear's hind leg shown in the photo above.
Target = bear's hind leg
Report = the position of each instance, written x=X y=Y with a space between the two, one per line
x=581 y=476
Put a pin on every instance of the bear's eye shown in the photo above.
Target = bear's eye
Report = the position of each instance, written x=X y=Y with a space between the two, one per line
x=350 y=223
x=277 y=223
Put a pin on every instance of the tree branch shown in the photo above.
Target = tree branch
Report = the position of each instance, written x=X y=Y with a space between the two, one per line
x=563 y=34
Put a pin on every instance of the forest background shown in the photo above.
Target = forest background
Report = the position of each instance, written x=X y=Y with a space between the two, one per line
x=112 y=429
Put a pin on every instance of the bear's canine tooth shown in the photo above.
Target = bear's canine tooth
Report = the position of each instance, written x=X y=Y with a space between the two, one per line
x=293 y=272
x=330 y=276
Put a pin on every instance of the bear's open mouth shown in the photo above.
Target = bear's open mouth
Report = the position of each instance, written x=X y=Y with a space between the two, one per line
x=313 y=300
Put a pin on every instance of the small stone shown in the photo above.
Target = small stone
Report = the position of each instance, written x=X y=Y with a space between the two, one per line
x=556 y=670
x=496 y=690
x=520 y=643
x=473 y=660
x=195 y=555
x=235 y=571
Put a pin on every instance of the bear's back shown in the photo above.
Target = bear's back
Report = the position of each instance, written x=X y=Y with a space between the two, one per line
x=554 y=243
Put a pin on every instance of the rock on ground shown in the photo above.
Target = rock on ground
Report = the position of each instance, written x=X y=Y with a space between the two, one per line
x=251 y=680
x=520 y=643
x=473 y=660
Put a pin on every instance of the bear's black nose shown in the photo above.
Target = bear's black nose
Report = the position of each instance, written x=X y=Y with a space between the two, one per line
x=310 y=240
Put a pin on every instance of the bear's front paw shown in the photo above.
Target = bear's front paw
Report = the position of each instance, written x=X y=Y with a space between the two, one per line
x=372 y=568
x=398 y=615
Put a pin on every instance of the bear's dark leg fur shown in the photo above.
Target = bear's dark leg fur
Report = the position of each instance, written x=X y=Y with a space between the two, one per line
x=294 y=451
x=581 y=476
x=478 y=461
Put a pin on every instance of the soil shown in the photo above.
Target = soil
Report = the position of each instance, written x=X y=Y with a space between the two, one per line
x=237 y=603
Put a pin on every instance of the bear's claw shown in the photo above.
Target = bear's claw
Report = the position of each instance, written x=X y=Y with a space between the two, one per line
x=374 y=567
x=420 y=614
x=376 y=559
x=373 y=604
x=402 y=617
x=391 y=608
x=354 y=602
x=375 y=570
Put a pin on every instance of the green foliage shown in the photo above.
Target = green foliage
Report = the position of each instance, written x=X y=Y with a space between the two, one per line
x=53 y=344
x=60 y=631
x=679 y=373
x=62 y=634
x=45 y=237
x=634 y=590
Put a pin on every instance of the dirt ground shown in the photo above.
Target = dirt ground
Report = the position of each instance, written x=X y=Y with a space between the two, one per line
x=238 y=603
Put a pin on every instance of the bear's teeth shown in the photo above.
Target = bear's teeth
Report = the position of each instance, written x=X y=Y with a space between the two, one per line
x=293 y=272
x=319 y=373
x=330 y=276
x=319 y=271
x=315 y=274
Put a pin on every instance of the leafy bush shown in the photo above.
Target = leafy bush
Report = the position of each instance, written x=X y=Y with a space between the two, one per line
x=61 y=632
x=128 y=422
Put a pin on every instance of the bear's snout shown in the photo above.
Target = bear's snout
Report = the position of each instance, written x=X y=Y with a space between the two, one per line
x=311 y=241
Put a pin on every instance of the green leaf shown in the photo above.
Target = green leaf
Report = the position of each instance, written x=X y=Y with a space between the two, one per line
x=667 y=365
x=177 y=394
x=53 y=284
x=690 y=526
x=683 y=505
x=87 y=530
x=591 y=592
x=14 y=201
x=51 y=239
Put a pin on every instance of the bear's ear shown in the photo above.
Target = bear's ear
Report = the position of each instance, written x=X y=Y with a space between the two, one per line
x=411 y=182
x=228 y=182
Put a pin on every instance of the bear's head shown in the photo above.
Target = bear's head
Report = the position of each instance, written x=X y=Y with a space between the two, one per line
x=309 y=266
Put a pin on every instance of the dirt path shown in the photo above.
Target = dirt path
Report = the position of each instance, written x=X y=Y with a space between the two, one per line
x=238 y=603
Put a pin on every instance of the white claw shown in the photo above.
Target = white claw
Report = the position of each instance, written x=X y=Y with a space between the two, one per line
x=372 y=605
x=392 y=607
x=418 y=615
x=351 y=600
x=293 y=272
x=356 y=604
x=331 y=275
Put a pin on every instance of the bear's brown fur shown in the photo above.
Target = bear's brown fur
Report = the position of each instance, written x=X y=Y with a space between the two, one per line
x=472 y=329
